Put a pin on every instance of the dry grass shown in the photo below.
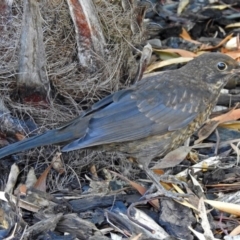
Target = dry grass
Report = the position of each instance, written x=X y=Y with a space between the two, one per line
x=73 y=90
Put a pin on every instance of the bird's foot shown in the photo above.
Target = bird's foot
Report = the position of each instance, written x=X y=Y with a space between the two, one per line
x=172 y=179
x=157 y=190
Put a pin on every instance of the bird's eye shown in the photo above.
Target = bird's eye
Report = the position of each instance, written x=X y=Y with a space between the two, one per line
x=222 y=66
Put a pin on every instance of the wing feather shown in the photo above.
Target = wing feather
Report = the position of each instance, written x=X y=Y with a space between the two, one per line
x=133 y=114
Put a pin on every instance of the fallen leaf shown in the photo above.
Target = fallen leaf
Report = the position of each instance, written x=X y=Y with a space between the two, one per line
x=204 y=166
x=199 y=236
x=158 y=171
x=232 y=115
x=41 y=182
x=19 y=136
x=225 y=207
x=208 y=234
x=185 y=35
x=173 y=158
x=233 y=54
x=235 y=231
x=181 y=6
x=233 y=43
x=181 y=52
x=138 y=237
x=143 y=63
x=22 y=190
x=211 y=125
x=57 y=163
x=166 y=63
x=183 y=202
x=204 y=47
x=12 y=178
x=212 y=161
x=233 y=25
x=93 y=171
x=219 y=7
x=235 y=125
x=31 y=178
x=142 y=190
x=206 y=131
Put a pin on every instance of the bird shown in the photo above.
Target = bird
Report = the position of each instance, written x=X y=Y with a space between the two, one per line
x=148 y=119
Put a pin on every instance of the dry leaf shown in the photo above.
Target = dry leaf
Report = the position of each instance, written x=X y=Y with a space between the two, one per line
x=22 y=190
x=166 y=63
x=12 y=178
x=158 y=171
x=235 y=55
x=173 y=158
x=235 y=231
x=195 y=182
x=143 y=63
x=193 y=157
x=182 y=4
x=93 y=171
x=208 y=234
x=211 y=125
x=236 y=149
x=204 y=166
x=3 y=196
x=31 y=178
x=200 y=236
x=41 y=182
x=142 y=190
x=204 y=47
x=235 y=125
x=206 y=130
x=19 y=136
x=212 y=161
x=233 y=25
x=180 y=52
x=232 y=115
x=231 y=185
x=233 y=43
x=183 y=202
x=154 y=230
x=225 y=207
x=57 y=163
x=185 y=35
x=21 y=202
x=219 y=7
x=138 y=237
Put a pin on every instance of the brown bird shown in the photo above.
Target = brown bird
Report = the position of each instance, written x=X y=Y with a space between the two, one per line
x=151 y=118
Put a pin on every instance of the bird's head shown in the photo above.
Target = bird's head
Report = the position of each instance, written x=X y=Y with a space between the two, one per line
x=215 y=69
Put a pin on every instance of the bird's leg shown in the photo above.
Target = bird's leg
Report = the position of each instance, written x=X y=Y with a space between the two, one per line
x=161 y=191
x=167 y=178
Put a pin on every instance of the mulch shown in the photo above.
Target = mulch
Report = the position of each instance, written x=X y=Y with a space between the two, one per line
x=97 y=195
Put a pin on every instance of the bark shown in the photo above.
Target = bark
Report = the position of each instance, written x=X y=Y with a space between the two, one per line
x=32 y=82
x=89 y=35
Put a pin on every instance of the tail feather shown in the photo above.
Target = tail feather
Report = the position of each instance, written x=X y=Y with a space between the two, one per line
x=76 y=129
x=50 y=137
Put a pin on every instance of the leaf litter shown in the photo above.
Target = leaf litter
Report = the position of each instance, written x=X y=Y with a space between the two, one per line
x=74 y=90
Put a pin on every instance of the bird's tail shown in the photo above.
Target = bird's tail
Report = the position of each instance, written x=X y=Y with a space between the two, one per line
x=75 y=129
x=50 y=137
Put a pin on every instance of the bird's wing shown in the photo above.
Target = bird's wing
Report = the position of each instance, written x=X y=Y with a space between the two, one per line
x=133 y=114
